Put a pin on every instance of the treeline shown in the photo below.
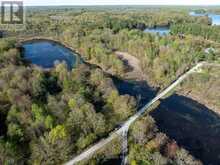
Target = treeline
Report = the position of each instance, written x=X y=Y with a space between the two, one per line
x=44 y=114
x=205 y=31
x=55 y=21
x=96 y=36
x=200 y=11
x=162 y=58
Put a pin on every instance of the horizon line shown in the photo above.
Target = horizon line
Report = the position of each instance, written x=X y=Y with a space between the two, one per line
x=66 y=5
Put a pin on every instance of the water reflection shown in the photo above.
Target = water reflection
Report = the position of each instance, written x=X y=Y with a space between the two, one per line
x=138 y=89
x=47 y=53
x=192 y=125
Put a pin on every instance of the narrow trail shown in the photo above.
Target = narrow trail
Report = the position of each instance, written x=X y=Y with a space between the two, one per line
x=124 y=128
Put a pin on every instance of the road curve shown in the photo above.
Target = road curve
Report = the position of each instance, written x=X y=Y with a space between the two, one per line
x=89 y=152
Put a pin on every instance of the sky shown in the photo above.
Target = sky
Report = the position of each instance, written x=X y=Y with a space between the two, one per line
x=121 y=2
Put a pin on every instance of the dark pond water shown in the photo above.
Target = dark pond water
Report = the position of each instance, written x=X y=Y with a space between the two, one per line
x=114 y=161
x=192 y=125
x=214 y=17
x=158 y=30
x=47 y=53
x=139 y=89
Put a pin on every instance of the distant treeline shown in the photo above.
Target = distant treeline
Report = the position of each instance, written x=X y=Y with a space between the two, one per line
x=208 y=32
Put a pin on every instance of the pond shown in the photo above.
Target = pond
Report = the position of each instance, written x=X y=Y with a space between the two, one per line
x=192 y=125
x=47 y=54
x=158 y=30
x=214 y=17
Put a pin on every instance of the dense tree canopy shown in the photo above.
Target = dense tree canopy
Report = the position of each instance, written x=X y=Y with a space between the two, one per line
x=45 y=112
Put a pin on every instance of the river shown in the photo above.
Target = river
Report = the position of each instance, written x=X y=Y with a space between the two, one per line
x=192 y=125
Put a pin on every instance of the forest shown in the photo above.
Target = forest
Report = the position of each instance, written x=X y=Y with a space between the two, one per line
x=97 y=35
x=45 y=112
x=49 y=112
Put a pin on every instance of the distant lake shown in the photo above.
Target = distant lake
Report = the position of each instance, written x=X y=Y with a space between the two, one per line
x=46 y=54
x=160 y=30
x=214 y=17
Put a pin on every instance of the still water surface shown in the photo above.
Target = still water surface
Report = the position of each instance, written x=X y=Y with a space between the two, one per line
x=192 y=125
x=47 y=53
x=158 y=30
